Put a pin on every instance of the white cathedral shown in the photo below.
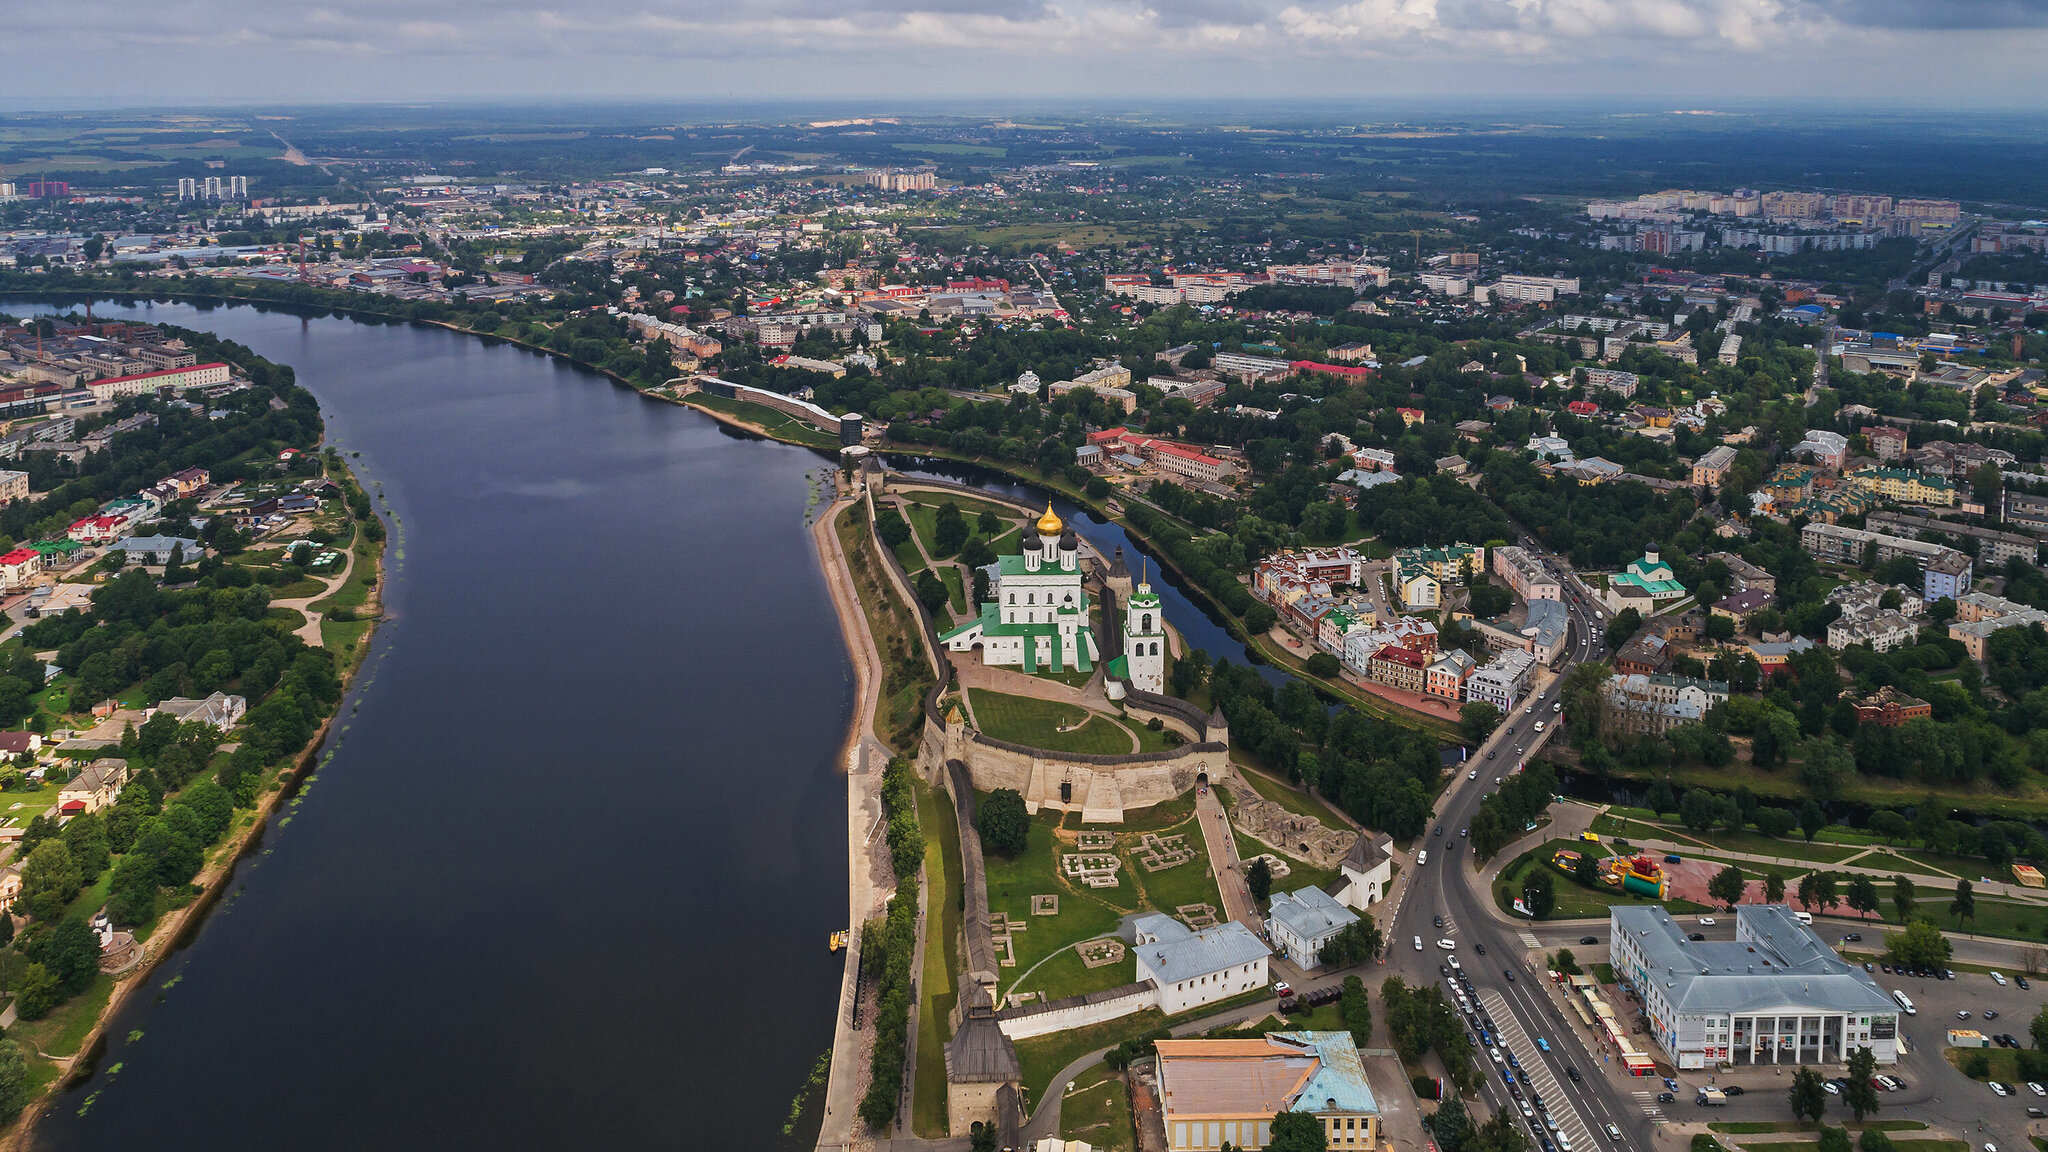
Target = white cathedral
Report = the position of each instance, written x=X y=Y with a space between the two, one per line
x=1039 y=617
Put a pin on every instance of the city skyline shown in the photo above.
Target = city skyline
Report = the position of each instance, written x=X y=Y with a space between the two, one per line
x=1967 y=52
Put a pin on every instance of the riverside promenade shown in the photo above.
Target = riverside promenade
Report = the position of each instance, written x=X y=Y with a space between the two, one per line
x=869 y=874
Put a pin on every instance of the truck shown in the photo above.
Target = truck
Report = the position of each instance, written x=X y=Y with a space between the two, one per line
x=1711 y=1097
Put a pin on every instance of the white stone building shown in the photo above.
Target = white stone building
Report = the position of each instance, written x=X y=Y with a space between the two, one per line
x=1191 y=968
x=1301 y=923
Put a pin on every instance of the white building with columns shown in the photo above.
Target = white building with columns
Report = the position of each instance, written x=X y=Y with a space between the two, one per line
x=1774 y=995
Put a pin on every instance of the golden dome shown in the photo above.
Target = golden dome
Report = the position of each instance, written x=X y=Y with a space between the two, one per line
x=1049 y=524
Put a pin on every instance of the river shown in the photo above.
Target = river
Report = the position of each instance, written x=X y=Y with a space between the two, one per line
x=568 y=880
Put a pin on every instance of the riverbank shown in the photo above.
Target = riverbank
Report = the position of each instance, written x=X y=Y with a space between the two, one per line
x=175 y=928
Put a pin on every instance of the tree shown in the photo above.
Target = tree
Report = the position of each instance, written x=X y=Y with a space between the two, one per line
x=1452 y=1125
x=1863 y=894
x=1324 y=666
x=1477 y=720
x=1811 y=820
x=1837 y=1139
x=1259 y=878
x=1809 y=1094
x=2039 y=1029
x=1774 y=822
x=1964 y=906
x=988 y=523
x=1540 y=892
x=1565 y=962
x=1297 y=1132
x=1774 y=888
x=1354 y=943
x=37 y=993
x=1587 y=870
x=1919 y=945
x=13 y=1080
x=1727 y=886
x=1662 y=797
x=1355 y=1006
x=1624 y=625
x=931 y=591
x=1902 y=898
x=1005 y=826
x=1858 y=1093
x=49 y=879
x=951 y=531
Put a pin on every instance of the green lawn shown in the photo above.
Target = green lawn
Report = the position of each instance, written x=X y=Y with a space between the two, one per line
x=1035 y=723
x=766 y=418
x=1187 y=883
x=1744 y=841
x=1085 y=913
x=1042 y=1057
x=1097 y=1109
x=941 y=959
x=956 y=592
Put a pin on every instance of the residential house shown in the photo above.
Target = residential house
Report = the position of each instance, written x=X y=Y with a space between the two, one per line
x=1654 y=703
x=1904 y=485
x=1712 y=466
x=1740 y=606
x=220 y=710
x=1403 y=668
x=1645 y=653
x=1502 y=681
x=1979 y=614
x=1447 y=673
x=19 y=567
x=93 y=789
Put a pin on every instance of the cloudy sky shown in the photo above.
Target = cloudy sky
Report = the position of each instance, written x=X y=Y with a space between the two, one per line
x=1915 y=52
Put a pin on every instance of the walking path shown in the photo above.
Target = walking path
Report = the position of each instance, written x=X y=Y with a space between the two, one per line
x=1238 y=904
x=865 y=756
x=310 y=630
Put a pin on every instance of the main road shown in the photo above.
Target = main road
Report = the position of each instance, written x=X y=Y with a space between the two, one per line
x=1500 y=957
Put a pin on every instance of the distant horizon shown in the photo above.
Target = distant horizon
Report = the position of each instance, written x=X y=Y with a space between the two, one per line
x=980 y=106
x=1958 y=54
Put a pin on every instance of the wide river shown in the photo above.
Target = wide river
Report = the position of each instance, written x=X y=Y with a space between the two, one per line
x=568 y=877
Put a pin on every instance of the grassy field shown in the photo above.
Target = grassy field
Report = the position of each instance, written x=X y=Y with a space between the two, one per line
x=905 y=673
x=1097 y=1109
x=765 y=418
x=941 y=959
x=1753 y=843
x=1036 y=723
x=1042 y=1057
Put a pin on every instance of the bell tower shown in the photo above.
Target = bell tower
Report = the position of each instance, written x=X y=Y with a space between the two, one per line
x=1145 y=640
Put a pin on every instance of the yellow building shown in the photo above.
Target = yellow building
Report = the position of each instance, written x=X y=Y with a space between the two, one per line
x=1217 y=1091
x=1903 y=485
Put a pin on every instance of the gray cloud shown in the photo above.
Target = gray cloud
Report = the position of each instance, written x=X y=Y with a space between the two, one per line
x=182 y=50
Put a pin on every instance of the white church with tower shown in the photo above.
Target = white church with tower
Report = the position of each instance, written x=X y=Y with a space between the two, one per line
x=1039 y=618
x=1144 y=659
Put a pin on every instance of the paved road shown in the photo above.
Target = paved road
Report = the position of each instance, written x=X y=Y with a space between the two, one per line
x=1491 y=947
x=1237 y=895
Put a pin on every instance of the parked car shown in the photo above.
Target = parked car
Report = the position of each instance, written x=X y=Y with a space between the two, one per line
x=1963 y=1014
x=2034 y=1086
x=1674 y=859
x=1998 y=979
x=1853 y=937
x=1732 y=1090
x=1833 y=1088
x=2021 y=981
x=1282 y=988
x=1998 y=1089
x=1706 y=921
x=1991 y=1013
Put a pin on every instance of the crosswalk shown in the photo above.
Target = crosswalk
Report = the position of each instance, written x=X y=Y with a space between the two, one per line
x=1529 y=940
x=1647 y=1101
x=1517 y=1041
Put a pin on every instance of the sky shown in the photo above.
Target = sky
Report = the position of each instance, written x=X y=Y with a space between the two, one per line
x=1926 y=53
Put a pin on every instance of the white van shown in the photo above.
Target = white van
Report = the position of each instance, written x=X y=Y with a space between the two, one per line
x=1803 y=917
x=1422 y=857
x=1418 y=943
x=1898 y=994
